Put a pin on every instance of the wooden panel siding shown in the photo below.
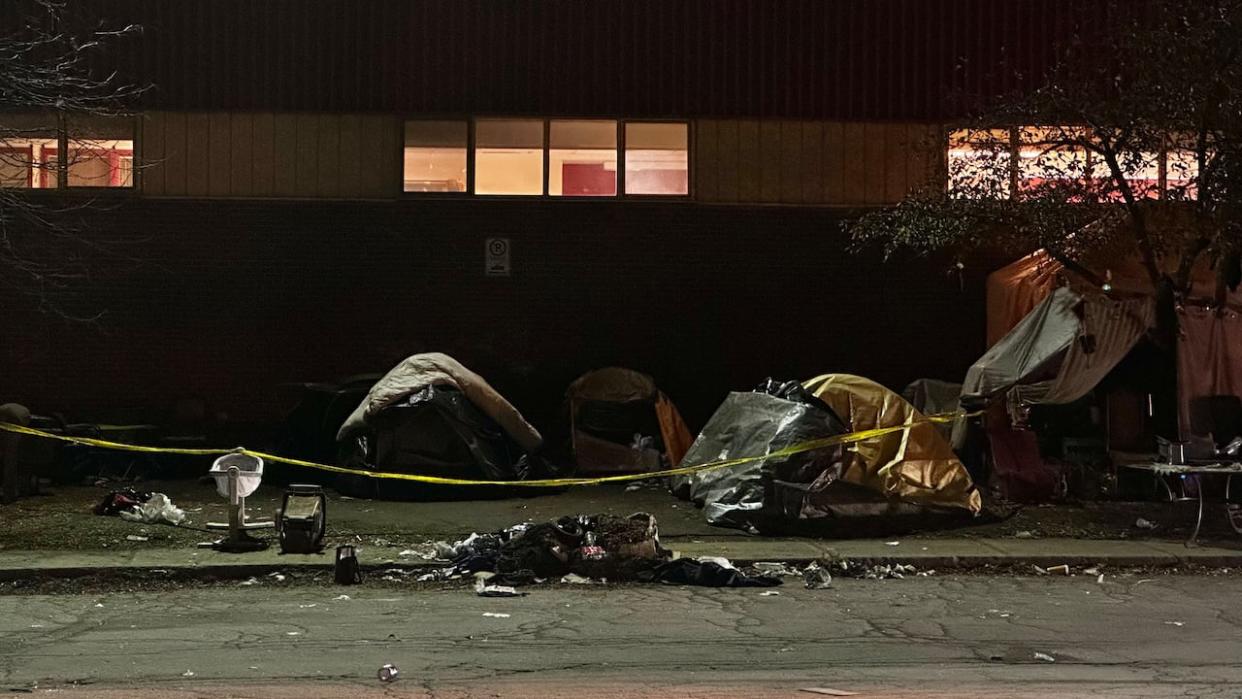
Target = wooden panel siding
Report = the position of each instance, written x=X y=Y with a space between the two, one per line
x=814 y=163
x=358 y=156
x=246 y=155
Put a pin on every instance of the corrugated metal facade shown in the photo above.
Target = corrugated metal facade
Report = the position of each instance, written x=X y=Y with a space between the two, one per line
x=803 y=59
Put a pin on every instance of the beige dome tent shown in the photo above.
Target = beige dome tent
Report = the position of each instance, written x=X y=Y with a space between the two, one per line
x=621 y=422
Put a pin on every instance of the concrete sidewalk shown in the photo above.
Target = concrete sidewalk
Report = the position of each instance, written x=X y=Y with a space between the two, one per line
x=922 y=553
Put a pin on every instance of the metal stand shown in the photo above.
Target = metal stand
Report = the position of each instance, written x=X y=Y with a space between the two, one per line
x=1162 y=472
x=1193 y=541
x=238 y=540
x=1232 y=510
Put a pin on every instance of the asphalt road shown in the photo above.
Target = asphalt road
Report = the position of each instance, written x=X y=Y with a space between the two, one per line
x=939 y=636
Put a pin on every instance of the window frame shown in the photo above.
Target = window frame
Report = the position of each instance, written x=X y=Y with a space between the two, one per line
x=621 y=122
x=471 y=153
x=469 y=122
x=689 y=195
x=1090 y=160
x=65 y=144
x=618 y=150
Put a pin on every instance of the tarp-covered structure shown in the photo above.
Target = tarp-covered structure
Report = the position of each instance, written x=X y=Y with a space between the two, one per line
x=1061 y=349
x=914 y=465
x=1053 y=337
x=897 y=481
x=620 y=421
x=430 y=415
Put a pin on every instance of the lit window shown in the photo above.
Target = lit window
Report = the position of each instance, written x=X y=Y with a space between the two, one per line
x=979 y=164
x=435 y=156
x=15 y=164
x=508 y=156
x=1141 y=170
x=100 y=163
x=1182 y=175
x=1046 y=161
x=28 y=163
x=582 y=158
x=100 y=154
x=656 y=158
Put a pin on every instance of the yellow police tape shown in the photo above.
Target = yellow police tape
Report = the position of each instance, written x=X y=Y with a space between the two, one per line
x=812 y=445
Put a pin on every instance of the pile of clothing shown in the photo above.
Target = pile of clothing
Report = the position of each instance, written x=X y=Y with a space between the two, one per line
x=594 y=547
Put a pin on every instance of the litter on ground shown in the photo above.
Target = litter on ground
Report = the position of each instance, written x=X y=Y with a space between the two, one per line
x=816 y=577
x=484 y=590
x=156 y=510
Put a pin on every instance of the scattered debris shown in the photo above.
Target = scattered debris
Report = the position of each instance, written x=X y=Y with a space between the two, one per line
x=1094 y=570
x=99 y=605
x=156 y=510
x=1024 y=535
x=1045 y=657
x=1100 y=579
x=118 y=501
x=312 y=605
x=881 y=571
x=687 y=571
x=248 y=582
x=828 y=691
x=769 y=593
x=816 y=577
x=777 y=570
x=1145 y=524
x=892 y=543
x=278 y=577
x=718 y=560
x=388 y=672
x=1038 y=570
x=496 y=615
x=898 y=571
x=427 y=552
x=135 y=537
x=633 y=487
x=293 y=633
x=575 y=579
x=482 y=589
x=1059 y=570
x=188 y=673
x=1175 y=623
x=390 y=572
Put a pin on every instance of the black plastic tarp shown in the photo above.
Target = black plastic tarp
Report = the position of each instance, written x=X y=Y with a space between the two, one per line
x=797 y=494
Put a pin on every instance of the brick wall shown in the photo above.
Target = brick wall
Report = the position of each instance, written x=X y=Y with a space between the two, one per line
x=226 y=300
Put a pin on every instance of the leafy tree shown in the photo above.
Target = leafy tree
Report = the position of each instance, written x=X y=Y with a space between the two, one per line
x=1153 y=96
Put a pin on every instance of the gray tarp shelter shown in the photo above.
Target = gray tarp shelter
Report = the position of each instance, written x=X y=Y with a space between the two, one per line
x=1060 y=350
